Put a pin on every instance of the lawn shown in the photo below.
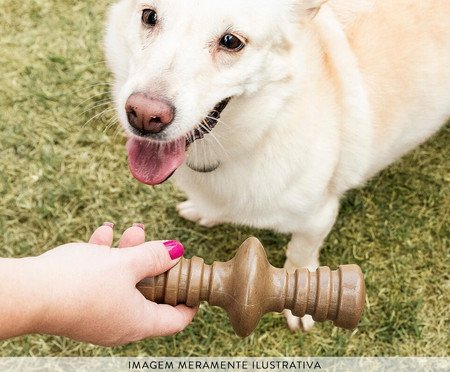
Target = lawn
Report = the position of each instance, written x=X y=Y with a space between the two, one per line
x=63 y=171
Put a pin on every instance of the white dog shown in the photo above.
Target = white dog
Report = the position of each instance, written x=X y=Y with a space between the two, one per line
x=270 y=110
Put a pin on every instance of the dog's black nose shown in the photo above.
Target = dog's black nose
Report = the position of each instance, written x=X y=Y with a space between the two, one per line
x=148 y=115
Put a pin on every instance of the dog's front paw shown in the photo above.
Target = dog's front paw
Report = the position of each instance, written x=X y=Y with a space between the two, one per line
x=188 y=211
x=297 y=324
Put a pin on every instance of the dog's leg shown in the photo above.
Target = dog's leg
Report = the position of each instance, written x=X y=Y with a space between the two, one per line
x=188 y=211
x=303 y=251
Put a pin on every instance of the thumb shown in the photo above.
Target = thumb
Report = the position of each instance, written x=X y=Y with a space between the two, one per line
x=153 y=258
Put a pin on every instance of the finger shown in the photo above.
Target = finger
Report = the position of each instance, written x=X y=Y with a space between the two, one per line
x=103 y=235
x=165 y=320
x=153 y=258
x=133 y=236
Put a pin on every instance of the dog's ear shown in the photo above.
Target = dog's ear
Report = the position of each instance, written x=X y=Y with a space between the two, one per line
x=307 y=9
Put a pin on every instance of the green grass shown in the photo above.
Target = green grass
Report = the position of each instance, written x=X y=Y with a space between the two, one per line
x=61 y=177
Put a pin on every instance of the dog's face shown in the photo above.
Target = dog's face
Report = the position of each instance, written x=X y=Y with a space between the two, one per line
x=178 y=63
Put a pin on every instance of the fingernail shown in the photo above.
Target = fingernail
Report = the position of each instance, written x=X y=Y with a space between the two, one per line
x=175 y=249
x=109 y=224
x=140 y=225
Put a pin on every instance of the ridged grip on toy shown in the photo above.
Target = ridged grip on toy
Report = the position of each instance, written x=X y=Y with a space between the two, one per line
x=248 y=287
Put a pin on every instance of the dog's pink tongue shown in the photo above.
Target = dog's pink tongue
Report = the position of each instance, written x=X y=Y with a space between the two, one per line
x=153 y=163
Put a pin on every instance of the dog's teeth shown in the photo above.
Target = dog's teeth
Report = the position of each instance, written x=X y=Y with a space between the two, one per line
x=210 y=122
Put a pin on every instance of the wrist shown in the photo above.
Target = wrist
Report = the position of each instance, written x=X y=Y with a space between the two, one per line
x=21 y=296
x=38 y=292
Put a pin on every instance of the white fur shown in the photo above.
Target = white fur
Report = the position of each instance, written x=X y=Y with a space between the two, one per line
x=323 y=100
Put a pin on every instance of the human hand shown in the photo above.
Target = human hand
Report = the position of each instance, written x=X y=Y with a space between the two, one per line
x=87 y=292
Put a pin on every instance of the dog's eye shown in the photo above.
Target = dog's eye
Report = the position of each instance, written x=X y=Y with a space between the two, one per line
x=149 y=17
x=232 y=42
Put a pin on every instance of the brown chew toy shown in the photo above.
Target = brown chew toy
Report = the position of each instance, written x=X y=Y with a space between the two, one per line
x=248 y=287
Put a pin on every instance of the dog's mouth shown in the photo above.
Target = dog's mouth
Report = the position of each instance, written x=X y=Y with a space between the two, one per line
x=153 y=162
x=208 y=124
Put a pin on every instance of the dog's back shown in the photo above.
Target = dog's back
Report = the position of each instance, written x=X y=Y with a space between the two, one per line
x=403 y=51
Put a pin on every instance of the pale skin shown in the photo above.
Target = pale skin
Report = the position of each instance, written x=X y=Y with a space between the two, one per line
x=87 y=291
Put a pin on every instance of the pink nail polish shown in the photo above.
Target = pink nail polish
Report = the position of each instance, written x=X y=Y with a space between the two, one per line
x=109 y=224
x=140 y=225
x=175 y=249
